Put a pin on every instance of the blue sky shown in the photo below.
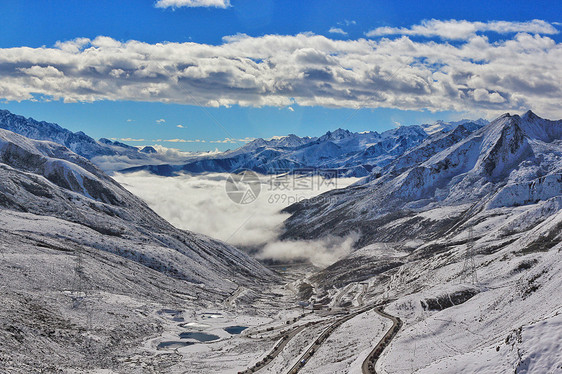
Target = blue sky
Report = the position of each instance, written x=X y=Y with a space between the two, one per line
x=317 y=84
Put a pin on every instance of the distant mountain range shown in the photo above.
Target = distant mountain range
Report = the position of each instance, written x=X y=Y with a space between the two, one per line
x=353 y=154
x=77 y=142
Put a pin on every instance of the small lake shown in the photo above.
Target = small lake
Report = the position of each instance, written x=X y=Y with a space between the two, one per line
x=172 y=344
x=232 y=330
x=170 y=311
x=200 y=336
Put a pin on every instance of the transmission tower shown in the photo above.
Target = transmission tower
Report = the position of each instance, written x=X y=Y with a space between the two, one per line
x=469 y=267
x=79 y=282
x=80 y=288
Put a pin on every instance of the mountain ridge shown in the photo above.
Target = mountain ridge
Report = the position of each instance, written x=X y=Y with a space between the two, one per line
x=446 y=170
x=352 y=154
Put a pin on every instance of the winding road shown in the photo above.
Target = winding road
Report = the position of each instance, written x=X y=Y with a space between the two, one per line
x=278 y=348
x=368 y=366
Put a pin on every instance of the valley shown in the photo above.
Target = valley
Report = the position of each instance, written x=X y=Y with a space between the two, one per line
x=443 y=259
x=280 y=187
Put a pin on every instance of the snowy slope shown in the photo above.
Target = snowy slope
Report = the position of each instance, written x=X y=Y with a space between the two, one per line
x=45 y=179
x=512 y=161
x=442 y=126
x=89 y=273
x=497 y=191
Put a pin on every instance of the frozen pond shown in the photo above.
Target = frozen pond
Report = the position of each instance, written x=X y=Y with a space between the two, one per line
x=235 y=329
x=173 y=344
x=200 y=336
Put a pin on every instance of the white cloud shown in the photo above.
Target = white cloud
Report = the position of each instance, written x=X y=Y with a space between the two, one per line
x=200 y=204
x=192 y=3
x=164 y=155
x=460 y=29
x=130 y=120
x=180 y=126
x=519 y=72
x=290 y=108
x=233 y=141
x=337 y=30
x=161 y=120
x=173 y=154
x=347 y=22
x=131 y=140
x=482 y=94
x=321 y=252
x=42 y=72
x=182 y=140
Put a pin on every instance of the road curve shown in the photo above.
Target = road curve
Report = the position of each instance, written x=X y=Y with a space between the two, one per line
x=368 y=366
x=318 y=342
x=278 y=348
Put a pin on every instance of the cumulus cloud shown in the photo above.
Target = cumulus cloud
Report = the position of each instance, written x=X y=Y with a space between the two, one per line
x=161 y=120
x=337 y=30
x=192 y=3
x=180 y=127
x=519 y=72
x=199 y=203
x=460 y=29
x=171 y=154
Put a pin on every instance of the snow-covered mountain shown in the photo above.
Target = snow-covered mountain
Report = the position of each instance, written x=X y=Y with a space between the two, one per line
x=78 y=142
x=462 y=235
x=88 y=271
x=353 y=154
x=107 y=154
x=45 y=179
x=432 y=128
x=512 y=161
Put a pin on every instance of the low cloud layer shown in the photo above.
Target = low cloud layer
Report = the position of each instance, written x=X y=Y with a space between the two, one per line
x=200 y=204
x=163 y=155
x=322 y=252
x=518 y=72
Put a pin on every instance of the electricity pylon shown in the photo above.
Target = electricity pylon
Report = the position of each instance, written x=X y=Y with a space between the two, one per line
x=469 y=267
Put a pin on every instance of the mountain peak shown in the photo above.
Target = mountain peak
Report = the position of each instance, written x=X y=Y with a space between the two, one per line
x=530 y=115
x=336 y=135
